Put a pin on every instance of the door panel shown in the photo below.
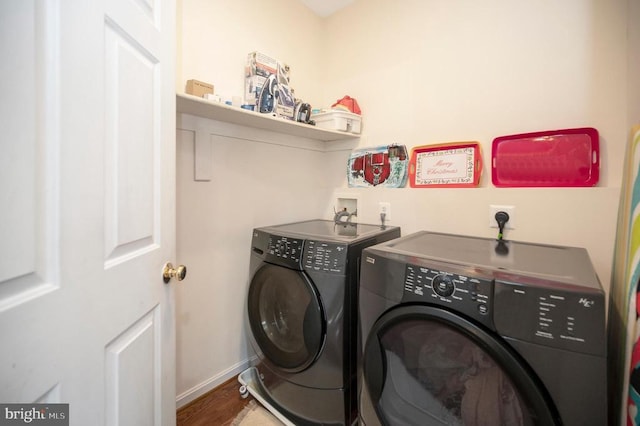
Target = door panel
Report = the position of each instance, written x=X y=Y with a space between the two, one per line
x=29 y=263
x=28 y=31
x=88 y=166
x=132 y=143
x=133 y=354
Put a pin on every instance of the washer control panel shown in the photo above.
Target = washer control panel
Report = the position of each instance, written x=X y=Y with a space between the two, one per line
x=323 y=256
x=565 y=318
x=285 y=250
x=466 y=294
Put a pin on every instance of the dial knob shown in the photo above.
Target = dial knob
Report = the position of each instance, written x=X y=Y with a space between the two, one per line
x=443 y=285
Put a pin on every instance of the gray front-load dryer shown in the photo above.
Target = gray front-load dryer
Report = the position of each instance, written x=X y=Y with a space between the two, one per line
x=460 y=330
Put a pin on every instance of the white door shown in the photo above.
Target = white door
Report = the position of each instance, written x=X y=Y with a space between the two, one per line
x=87 y=183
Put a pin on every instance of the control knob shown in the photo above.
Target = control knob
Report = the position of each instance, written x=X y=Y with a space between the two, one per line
x=443 y=285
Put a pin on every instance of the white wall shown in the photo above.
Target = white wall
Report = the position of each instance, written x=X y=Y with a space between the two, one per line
x=430 y=71
x=217 y=35
x=437 y=71
x=633 y=67
x=423 y=71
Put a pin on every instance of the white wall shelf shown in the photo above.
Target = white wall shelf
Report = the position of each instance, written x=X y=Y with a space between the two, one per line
x=188 y=104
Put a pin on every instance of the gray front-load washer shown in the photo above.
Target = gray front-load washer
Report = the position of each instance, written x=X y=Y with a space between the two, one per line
x=460 y=330
x=302 y=316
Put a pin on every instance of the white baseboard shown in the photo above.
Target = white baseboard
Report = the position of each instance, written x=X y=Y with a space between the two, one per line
x=213 y=382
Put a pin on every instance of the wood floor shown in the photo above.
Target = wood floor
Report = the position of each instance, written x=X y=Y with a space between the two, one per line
x=217 y=408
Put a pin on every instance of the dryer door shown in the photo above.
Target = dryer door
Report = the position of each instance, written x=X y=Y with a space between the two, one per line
x=286 y=317
x=424 y=365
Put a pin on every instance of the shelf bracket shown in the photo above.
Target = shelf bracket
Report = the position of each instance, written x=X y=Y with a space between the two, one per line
x=203 y=156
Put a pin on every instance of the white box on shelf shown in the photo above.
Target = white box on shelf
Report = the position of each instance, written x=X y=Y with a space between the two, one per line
x=343 y=121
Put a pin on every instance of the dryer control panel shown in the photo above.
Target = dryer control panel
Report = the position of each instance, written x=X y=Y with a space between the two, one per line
x=321 y=256
x=466 y=294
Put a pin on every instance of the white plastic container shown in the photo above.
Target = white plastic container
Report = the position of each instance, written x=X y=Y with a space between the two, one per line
x=343 y=121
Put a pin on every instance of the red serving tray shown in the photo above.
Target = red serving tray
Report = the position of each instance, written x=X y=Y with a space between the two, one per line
x=560 y=158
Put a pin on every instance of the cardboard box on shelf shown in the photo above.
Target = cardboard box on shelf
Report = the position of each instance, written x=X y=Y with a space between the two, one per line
x=198 y=88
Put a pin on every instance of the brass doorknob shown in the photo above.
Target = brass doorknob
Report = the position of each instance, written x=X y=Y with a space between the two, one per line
x=169 y=272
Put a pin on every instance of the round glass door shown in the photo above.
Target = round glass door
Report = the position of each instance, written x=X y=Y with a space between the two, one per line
x=286 y=317
x=427 y=366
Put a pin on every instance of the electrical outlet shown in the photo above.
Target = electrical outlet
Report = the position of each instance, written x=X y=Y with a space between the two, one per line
x=510 y=210
x=385 y=207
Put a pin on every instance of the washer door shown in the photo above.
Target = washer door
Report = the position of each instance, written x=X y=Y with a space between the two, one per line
x=286 y=317
x=424 y=365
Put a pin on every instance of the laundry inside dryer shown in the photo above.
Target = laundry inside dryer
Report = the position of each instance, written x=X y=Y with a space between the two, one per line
x=445 y=372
